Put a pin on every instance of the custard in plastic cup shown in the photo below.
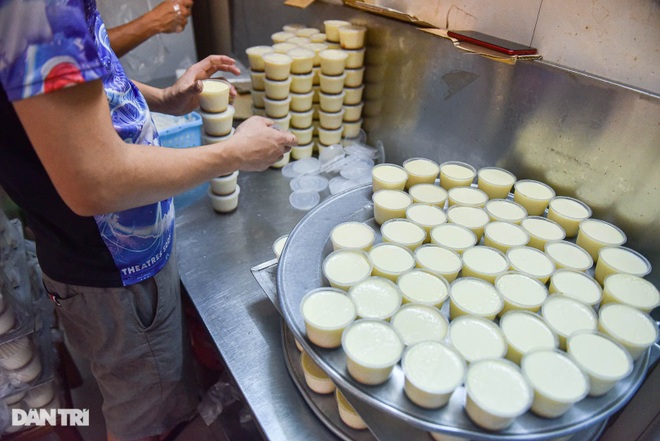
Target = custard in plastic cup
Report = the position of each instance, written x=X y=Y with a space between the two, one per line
x=329 y=137
x=541 y=231
x=215 y=96
x=352 y=36
x=440 y=261
x=302 y=151
x=301 y=120
x=301 y=83
x=472 y=296
x=333 y=61
x=456 y=174
x=557 y=381
x=331 y=120
x=632 y=291
x=353 y=95
x=303 y=60
x=423 y=287
x=603 y=360
x=255 y=57
x=474 y=218
x=332 y=29
x=283 y=47
x=504 y=235
x=281 y=36
x=372 y=350
x=276 y=108
x=277 y=66
x=520 y=292
x=531 y=261
x=390 y=204
x=428 y=194
x=225 y=203
x=568 y=212
x=356 y=235
x=352 y=129
x=476 y=338
x=467 y=196
x=347 y=412
x=304 y=135
x=390 y=260
x=326 y=312
x=224 y=184
x=421 y=171
x=315 y=377
x=505 y=211
x=278 y=89
x=633 y=329
x=433 y=371
x=416 y=323
x=526 y=332
x=293 y=27
x=497 y=393
x=426 y=216
x=332 y=84
x=218 y=124
x=354 y=77
x=345 y=268
x=495 y=182
x=484 y=263
x=352 y=113
x=533 y=195
x=330 y=102
x=566 y=316
x=616 y=259
x=454 y=237
x=355 y=58
x=595 y=234
x=375 y=298
x=403 y=232
x=278 y=245
x=301 y=102
x=577 y=285
x=567 y=255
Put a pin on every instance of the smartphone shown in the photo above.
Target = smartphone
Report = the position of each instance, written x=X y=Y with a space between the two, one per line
x=494 y=43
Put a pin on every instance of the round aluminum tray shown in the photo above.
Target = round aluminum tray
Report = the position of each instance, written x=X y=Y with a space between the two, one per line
x=300 y=271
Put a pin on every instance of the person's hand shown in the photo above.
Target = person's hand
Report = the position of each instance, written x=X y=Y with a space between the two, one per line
x=261 y=145
x=183 y=96
x=171 y=15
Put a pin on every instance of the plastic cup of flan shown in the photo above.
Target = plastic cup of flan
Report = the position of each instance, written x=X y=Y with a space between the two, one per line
x=505 y=235
x=332 y=29
x=525 y=332
x=333 y=61
x=541 y=231
x=432 y=372
x=484 y=263
x=255 y=56
x=416 y=322
x=439 y=260
x=473 y=296
x=594 y=234
x=568 y=212
x=617 y=259
x=403 y=232
x=424 y=287
x=632 y=291
x=352 y=235
x=421 y=171
x=344 y=268
x=388 y=176
x=347 y=412
x=531 y=261
x=577 y=285
x=214 y=96
x=428 y=194
x=277 y=66
x=315 y=377
x=467 y=196
x=567 y=255
x=390 y=260
x=520 y=292
x=454 y=237
x=603 y=360
x=497 y=393
x=533 y=195
x=476 y=338
x=372 y=348
x=635 y=330
x=456 y=174
x=278 y=245
x=426 y=216
x=327 y=312
x=474 y=218
x=557 y=381
x=495 y=182
x=352 y=36
x=375 y=298
x=567 y=316
x=505 y=211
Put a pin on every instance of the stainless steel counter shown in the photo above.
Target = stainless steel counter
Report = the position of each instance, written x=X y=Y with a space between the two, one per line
x=216 y=252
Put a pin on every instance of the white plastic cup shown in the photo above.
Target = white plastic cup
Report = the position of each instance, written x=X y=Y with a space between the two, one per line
x=277 y=89
x=277 y=108
x=226 y=203
x=332 y=84
x=215 y=95
x=223 y=185
x=218 y=124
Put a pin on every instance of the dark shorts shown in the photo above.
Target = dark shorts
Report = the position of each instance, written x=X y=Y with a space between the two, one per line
x=138 y=350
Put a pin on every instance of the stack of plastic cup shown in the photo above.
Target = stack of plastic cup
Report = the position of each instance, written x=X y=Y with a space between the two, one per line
x=223 y=192
x=217 y=114
x=257 y=75
x=277 y=84
x=301 y=98
x=331 y=96
x=352 y=41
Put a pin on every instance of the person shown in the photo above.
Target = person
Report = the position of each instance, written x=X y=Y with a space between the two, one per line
x=167 y=17
x=80 y=155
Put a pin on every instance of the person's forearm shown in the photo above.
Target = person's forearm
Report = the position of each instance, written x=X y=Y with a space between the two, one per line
x=154 y=97
x=128 y=36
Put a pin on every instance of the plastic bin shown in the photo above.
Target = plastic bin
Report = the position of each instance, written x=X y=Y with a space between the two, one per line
x=181 y=131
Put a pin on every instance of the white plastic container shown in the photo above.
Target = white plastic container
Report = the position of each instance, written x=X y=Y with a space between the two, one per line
x=327 y=312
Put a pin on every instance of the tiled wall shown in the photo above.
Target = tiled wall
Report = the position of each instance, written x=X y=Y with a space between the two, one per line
x=613 y=39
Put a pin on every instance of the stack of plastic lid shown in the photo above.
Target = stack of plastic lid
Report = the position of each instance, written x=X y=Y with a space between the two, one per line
x=217 y=113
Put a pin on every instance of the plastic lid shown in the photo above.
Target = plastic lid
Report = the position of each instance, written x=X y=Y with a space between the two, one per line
x=355 y=171
x=309 y=183
x=337 y=184
x=304 y=200
x=306 y=166
x=288 y=171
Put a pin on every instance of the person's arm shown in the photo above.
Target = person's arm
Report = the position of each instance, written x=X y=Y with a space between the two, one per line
x=96 y=172
x=169 y=16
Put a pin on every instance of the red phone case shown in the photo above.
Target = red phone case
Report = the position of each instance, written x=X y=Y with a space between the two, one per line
x=494 y=43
